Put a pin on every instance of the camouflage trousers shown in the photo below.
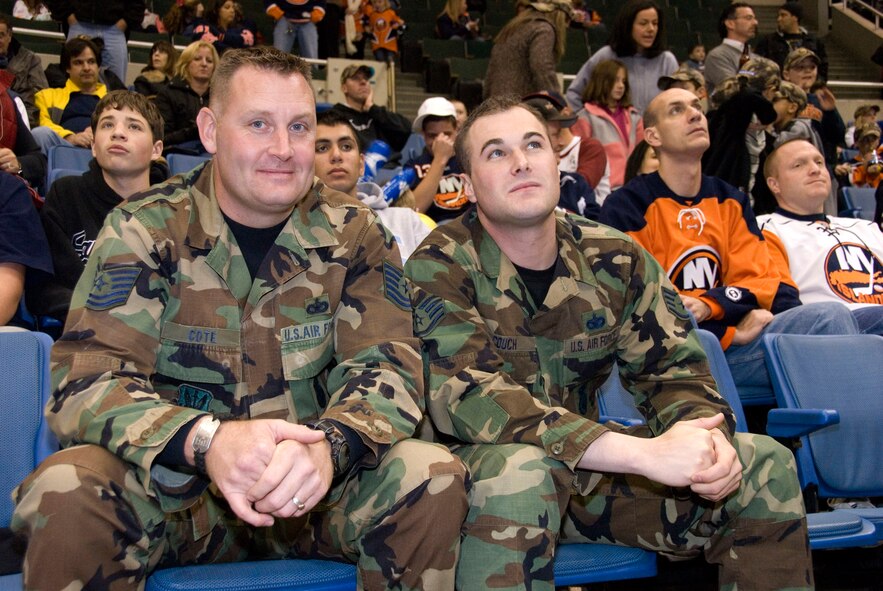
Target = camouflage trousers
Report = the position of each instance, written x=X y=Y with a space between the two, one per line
x=522 y=504
x=90 y=524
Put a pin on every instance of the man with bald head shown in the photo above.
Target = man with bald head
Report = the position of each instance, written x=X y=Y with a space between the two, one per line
x=703 y=232
x=832 y=259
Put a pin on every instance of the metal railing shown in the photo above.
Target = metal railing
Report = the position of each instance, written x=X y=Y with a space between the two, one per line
x=876 y=13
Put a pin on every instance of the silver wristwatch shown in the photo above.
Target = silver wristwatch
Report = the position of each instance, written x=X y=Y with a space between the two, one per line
x=205 y=432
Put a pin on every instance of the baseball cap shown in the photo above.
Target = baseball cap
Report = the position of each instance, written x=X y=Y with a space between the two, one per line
x=352 y=69
x=867 y=130
x=798 y=55
x=548 y=108
x=793 y=93
x=436 y=106
x=863 y=110
x=682 y=74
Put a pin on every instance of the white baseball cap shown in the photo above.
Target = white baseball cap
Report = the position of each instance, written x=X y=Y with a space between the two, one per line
x=436 y=106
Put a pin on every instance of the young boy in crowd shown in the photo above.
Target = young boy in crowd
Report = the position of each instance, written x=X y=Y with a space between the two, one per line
x=438 y=188
x=127 y=130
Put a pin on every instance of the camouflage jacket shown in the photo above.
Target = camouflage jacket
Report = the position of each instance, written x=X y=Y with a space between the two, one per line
x=166 y=324
x=502 y=370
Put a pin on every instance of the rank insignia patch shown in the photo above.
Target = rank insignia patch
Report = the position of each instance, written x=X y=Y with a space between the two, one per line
x=112 y=287
x=395 y=287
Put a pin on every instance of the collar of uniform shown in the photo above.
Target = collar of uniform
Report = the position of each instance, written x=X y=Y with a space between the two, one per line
x=735 y=44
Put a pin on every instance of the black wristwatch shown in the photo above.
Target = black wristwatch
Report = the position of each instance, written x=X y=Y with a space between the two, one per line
x=340 y=449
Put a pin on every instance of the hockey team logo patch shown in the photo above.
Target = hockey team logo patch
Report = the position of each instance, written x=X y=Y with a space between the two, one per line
x=855 y=274
x=697 y=268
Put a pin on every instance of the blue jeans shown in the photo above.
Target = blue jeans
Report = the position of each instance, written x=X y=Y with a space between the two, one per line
x=115 y=54
x=307 y=37
x=746 y=361
x=46 y=138
x=869 y=319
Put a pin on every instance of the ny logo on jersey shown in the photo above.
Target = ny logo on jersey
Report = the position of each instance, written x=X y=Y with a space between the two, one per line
x=855 y=273
x=697 y=268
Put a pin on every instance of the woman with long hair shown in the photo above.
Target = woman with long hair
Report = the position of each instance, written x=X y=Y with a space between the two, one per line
x=638 y=41
x=224 y=26
x=159 y=71
x=453 y=22
x=183 y=16
x=187 y=93
x=527 y=50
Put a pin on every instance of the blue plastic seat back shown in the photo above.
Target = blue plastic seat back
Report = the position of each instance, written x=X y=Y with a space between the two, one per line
x=181 y=163
x=69 y=157
x=24 y=387
x=721 y=372
x=862 y=200
x=844 y=373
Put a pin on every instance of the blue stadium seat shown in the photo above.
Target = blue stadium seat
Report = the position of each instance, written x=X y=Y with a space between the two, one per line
x=57 y=173
x=181 y=163
x=859 y=202
x=575 y=564
x=25 y=438
x=70 y=157
x=834 y=529
x=828 y=389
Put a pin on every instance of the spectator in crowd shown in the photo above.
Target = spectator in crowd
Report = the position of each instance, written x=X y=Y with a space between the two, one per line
x=703 y=231
x=586 y=18
x=22 y=70
x=437 y=186
x=19 y=152
x=199 y=423
x=611 y=117
x=296 y=21
x=741 y=109
x=65 y=113
x=159 y=71
x=790 y=35
x=576 y=194
x=183 y=16
x=109 y=19
x=642 y=160
x=224 y=27
x=522 y=314
x=638 y=41
x=127 y=128
x=696 y=58
x=181 y=100
x=864 y=170
x=578 y=151
x=863 y=114
x=801 y=68
x=371 y=121
x=340 y=162
x=454 y=22
x=383 y=25
x=831 y=259
x=462 y=111
x=22 y=243
x=527 y=50
x=789 y=103
x=737 y=26
x=684 y=77
x=32 y=10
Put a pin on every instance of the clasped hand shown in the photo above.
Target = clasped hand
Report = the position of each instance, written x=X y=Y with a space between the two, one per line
x=261 y=465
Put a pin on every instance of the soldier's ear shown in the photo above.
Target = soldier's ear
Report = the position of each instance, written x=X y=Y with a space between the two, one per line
x=207 y=122
x=468 y=189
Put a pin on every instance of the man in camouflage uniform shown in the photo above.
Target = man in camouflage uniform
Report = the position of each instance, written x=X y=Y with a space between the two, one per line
x=523 y=313
x=245 y=291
